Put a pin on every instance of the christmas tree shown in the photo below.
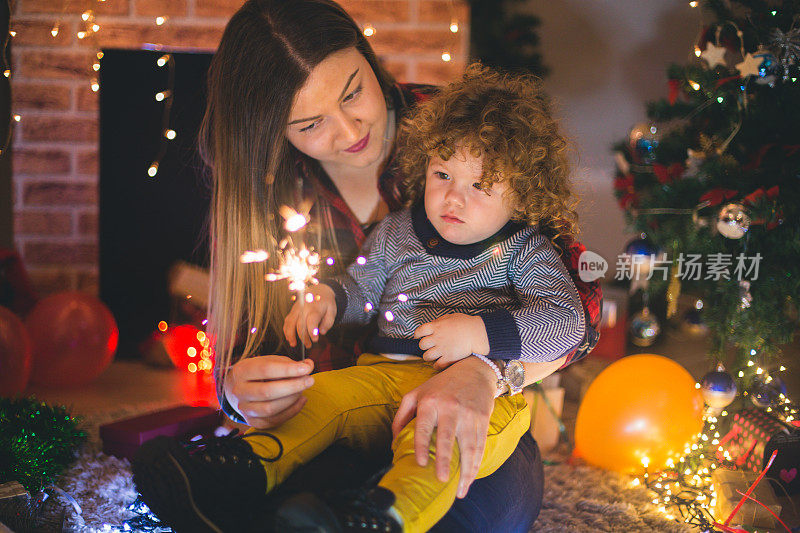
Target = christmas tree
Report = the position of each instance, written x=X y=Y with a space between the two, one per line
x=713 y=180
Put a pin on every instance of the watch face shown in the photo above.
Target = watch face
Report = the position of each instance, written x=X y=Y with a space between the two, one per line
x=515 y=374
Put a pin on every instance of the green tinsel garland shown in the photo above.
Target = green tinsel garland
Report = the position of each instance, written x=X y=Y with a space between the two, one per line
x=37 y=441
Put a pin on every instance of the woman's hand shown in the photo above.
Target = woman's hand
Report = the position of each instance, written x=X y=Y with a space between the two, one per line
x=311 y=318
x=266 y=390
x=451 y=338
x=457 y=403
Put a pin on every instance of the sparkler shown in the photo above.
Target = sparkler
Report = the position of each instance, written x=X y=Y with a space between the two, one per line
x=298 y=265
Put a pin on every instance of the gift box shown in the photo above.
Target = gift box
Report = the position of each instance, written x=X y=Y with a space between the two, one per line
x=730 y=485
x=123 y=438
x=545 y=419
x=612 y=344
x=753 y=436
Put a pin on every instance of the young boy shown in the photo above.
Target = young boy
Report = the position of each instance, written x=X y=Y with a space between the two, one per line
x=465 y=272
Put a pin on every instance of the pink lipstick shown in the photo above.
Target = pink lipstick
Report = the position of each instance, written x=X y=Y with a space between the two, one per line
x=360 y=145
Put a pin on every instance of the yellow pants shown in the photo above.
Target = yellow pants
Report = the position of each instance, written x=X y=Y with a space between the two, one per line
x=355 y=407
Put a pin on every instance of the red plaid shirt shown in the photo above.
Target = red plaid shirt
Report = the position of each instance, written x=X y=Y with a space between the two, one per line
x=341 y=349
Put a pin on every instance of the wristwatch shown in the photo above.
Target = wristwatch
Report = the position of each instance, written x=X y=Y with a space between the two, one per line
x=514 y=375
x=510 y=374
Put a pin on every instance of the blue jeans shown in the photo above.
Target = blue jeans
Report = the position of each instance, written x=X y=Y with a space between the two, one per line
x=507 y=501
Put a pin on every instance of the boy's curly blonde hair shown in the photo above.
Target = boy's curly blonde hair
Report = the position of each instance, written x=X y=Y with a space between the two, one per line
x=507 y=119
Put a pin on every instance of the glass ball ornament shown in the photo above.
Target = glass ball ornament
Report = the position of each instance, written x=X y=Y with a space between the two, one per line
x=642 y=252
x=641 y=246
x=643 y=139
x=718 y=388
x=693 y=323
x=765 y=394
x=733 y=221
x=644 y=328
x=769 y=69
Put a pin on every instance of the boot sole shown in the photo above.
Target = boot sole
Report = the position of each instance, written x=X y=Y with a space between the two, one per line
x=157 y=473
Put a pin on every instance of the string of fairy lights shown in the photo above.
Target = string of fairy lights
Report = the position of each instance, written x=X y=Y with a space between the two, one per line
x=89 y=27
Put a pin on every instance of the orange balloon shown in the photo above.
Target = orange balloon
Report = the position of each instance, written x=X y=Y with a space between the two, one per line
x=15 y=354
x=642 y=406
x=74 y=338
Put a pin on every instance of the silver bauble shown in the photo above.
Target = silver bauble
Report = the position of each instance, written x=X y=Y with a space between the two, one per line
x=644 y=328
x=733 y=221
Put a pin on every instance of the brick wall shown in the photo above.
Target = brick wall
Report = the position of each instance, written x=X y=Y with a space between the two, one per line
x=56 y=140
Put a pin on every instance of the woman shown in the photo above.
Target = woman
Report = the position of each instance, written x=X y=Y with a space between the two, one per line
x=299 y=107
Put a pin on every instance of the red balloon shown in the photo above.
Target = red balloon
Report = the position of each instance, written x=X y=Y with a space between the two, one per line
x=74 y=338
x=15 y=354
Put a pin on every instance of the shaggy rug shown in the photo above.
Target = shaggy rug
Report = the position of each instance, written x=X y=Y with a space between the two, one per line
x=577 y=498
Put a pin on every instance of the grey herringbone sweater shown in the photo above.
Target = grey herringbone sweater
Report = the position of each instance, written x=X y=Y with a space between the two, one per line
x=515 y=281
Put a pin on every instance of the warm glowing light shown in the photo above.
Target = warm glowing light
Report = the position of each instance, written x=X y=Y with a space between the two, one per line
x=257 y=256
x=369 y=31
x=81 y=34
x=309 y=298
x=95 y=86
x=191 y=351
x=12 y=33
x=163 y=60
x=161 y=95
x=297 y=266
x=201 y=336
x=697 y=51
x=95 y=28
x=446 y=57
x=7 y=73
x=170 y=134
x=192 y=367
x=389 y=315
x=695 y=85
x=402 y=297
x=99 y=55
x=153 y=170
x=86 y=15
x=54 y=31
x=162 y=326
x=693 y=3
x=295 y=222
x=329 y=261
x=368 y=307
x=96 y=67
x=361 y=260
x=17 y=118
x=454 y=27
x=160 y=20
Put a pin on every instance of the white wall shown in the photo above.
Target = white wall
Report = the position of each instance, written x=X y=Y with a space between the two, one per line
x=607 y=58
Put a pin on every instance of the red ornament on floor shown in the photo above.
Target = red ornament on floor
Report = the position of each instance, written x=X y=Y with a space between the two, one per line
x=188 y=348
x=74 y=338
x=15 y=354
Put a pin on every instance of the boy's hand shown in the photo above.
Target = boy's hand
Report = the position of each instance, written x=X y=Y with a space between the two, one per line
x=451 y=338
x=310 y=319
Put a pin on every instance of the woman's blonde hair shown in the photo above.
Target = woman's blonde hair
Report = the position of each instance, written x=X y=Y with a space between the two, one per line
x=267 y=51
x=506 y=119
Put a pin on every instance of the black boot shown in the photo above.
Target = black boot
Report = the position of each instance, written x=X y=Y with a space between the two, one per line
x=354 y=512
x=209 y=485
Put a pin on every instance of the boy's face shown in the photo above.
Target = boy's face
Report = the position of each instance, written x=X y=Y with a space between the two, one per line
x=460 y=211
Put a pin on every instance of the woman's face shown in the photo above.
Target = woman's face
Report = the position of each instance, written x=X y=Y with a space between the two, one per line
x=339 y=116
